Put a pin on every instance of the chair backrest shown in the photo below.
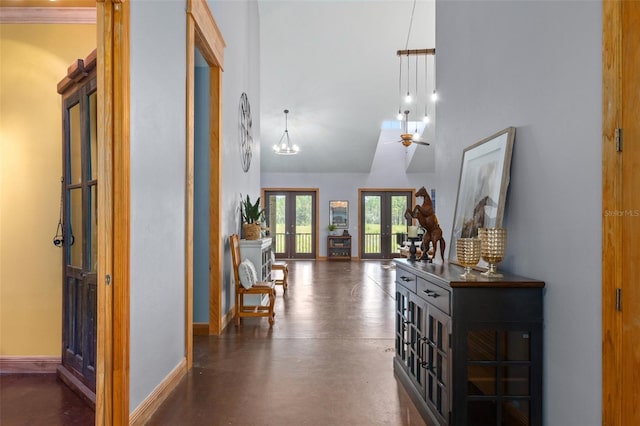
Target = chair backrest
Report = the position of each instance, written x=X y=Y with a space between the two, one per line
x=236 y=258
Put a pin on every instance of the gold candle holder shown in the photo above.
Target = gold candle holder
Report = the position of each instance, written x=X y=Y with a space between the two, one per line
x=493 y=246
x=468 y=253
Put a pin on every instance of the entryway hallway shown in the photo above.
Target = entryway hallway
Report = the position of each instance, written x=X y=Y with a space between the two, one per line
x=326 y=361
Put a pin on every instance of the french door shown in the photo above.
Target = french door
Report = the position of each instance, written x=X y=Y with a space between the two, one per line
x=291 y=217
x=383 y=224
x=80 y=248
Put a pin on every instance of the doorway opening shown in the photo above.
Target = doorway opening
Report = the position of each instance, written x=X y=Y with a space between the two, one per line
x=291 y=217
x=382 y=222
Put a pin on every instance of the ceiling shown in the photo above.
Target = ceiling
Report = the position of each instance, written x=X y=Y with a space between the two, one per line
x=333 y=65
x=47 y=3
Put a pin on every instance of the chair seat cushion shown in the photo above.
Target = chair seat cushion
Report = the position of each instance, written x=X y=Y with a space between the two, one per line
x=247 y=274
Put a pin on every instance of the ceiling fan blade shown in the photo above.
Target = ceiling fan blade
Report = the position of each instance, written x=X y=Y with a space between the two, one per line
x=421 y=142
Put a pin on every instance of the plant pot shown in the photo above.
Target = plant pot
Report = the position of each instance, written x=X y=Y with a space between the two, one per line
x=251 y=231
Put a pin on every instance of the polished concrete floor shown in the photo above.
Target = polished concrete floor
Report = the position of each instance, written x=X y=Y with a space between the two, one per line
x=326 y=361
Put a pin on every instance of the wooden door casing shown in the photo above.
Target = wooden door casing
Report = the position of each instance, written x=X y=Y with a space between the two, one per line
x=621 y=212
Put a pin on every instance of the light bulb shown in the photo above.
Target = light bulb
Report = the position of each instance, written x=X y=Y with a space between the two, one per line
x=434 y=96
x=275 y=148
x=399 y=116
x=283 y=146
x=426 y=119
x=416 y=136
x=407 y=98
x=296 y=148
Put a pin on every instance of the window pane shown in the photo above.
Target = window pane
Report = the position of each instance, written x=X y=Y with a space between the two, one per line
x=481 y=345
x=482 y=413
x=73 y=239
x=303 y=223
x=515 y=381
x=516 y=346
x=93 y=137
x=515 y=413
x=75 y=152
x=372 y=225
x=481 y=380
x=93 y=228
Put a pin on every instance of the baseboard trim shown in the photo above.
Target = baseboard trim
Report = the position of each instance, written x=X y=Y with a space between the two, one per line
x=200 y=329
x=10 y=364
x=228 y=318
x=145 y=410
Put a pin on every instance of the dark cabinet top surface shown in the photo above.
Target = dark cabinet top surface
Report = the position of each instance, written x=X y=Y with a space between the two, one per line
x=448 y=275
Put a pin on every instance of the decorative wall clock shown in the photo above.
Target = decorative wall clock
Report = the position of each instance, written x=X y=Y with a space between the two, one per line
x=245 y=132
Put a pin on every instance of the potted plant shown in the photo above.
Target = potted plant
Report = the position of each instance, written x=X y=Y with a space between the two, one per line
x=252 y=214
x=331 y=229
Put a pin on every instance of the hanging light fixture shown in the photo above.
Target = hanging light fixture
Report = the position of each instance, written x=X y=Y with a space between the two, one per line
x=284 y=147
x=407 y=137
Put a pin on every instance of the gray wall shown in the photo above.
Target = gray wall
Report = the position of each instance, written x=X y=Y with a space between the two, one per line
x=158 y=129
x=536 y=65
x=158 y=159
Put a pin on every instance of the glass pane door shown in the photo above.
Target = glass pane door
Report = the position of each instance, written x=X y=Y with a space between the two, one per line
x=291 y=220
x=383 y=223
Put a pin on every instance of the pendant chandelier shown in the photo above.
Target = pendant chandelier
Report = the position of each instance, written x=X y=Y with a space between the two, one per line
x=284 y=147
x=417 y=97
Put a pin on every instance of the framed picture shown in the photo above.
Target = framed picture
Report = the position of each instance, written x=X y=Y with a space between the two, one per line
x=482 y=188
x=339 y=214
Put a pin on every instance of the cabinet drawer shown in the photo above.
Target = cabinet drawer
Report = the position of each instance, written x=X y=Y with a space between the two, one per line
x=407 y=279
x=434 y=294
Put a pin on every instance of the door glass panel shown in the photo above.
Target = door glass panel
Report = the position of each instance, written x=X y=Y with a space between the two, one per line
x=515 y=413
x=277 y=220
x=482 y=380
x=482 y=413
x=74 y=233
x=93 y=137
x=372 y=224
x=75 y=145
x=481 y=345
x=93 y=229
x=515 y=380
x=398 y=222
x=304 y=224
x=516 y=346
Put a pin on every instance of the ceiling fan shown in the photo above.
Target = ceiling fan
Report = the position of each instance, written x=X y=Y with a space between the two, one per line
x=407 y=138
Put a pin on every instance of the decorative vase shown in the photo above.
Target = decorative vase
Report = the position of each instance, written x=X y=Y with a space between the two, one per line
x=468 y=253
x=251 y=231
x=492 y=250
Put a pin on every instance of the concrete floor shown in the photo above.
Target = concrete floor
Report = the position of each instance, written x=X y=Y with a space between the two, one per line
x=326 y=361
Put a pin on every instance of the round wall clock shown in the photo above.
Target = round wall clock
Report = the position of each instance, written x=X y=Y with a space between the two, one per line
x=246 y=132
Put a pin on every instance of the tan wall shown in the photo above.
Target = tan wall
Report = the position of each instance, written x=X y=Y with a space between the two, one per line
x=34 y=60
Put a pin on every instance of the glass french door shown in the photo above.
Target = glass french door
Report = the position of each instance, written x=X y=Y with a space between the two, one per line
x=80 y=234
x=383 y=223
x=291 y=217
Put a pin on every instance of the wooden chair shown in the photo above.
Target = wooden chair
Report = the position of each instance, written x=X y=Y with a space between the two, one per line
x=279 y=265
x=259 y=288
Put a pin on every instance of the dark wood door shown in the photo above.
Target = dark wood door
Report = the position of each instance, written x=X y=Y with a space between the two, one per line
x=80 y=184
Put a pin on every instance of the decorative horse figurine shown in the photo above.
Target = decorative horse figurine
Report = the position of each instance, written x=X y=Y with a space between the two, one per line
x=429 y=221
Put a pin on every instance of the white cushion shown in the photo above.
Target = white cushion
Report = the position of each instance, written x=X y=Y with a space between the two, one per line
x=247 y=274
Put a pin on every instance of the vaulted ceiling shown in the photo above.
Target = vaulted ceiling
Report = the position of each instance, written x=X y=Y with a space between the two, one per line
x=333 y=64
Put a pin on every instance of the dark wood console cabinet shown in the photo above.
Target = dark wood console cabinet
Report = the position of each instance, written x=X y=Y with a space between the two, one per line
x=339 y=247
x=469 y=352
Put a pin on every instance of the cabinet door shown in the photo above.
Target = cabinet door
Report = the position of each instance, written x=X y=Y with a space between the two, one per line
x=402 y=325
x=437 y=367
x=499 y=376
x=417 y=362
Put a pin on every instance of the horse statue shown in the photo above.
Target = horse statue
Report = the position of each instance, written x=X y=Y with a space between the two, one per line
x=427 y=219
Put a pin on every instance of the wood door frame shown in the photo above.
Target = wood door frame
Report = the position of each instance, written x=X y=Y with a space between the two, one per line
x=112 y=356
x=612 y=256
x=203 y=33
x=316 y=191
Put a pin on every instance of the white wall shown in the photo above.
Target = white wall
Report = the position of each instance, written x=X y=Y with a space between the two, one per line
x=158 y=141
x=536 y=65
